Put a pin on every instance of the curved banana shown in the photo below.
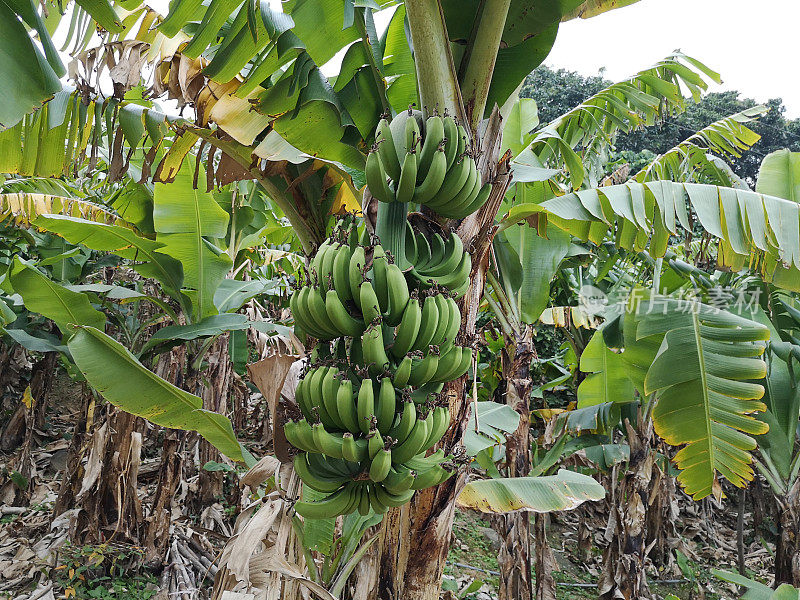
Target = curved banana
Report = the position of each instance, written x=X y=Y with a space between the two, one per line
x=407 y=330
x=346 y=406
x=345 y=324
x=413 y=443
x=386 y=150
x=376 y=178
x=408 y=179
x=365 y=406
x=327 y=508
x=386 y=406
x=314 y=480
x=402 y=373
x=434 y=136
x=397 y=294
x=428 y=324
x=374 y=350
x=380 y=465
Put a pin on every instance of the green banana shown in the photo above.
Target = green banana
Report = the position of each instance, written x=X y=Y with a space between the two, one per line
x=403 y=372
x=398 y=481
x=379 y=266
x=448 y=362
x=365 y=405
x=444 y=319
x=392 y=500
x=330 y=444
x=377 y=506
x=353 y=450
x=434 y=136
x=386 y=405
x=440 y=421
x=330 y=392
x=363 y=503
x=299 y=436
x=408 y=179
x=376 y=178
x=456 y=179
x=374 y=352
x=428 y=324
x=451 y=135
x=380 y=465
x=404 y=426
x=386 y=150
x=316 y=306
x=407 y=330
x=327 y=508
x=314 y=480
x=345 y=324
x=370 y=305
x=398 y=295
x=433 y=476
x=341 y=273
x=423 y=369
x=412 y=445
x=355 y=273
x=346 y=406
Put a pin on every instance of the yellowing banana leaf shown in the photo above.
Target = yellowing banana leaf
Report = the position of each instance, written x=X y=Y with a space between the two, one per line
x=44 y=296
x=705 y=401
x=24 y=207
x=564 y=491
x=105 y=363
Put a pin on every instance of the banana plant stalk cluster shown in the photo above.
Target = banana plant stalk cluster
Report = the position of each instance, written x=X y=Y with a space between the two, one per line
x=370 y=403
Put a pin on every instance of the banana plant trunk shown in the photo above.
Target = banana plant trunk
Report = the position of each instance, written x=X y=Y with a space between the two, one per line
x=787 y=548
x=514 y=529
x=623 y=574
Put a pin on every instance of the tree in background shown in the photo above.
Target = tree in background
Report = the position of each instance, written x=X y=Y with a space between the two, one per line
x=556 y=91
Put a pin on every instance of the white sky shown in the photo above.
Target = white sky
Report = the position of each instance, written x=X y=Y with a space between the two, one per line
x=754 y=45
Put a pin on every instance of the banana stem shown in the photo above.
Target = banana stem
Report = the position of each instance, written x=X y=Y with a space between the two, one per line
x=390 y=228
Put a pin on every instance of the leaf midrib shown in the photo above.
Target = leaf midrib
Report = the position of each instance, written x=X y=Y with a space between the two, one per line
x=704 y=387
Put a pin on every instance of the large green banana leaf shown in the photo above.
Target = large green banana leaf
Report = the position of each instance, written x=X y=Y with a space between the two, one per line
x=779 y=175
x=186 y=221
x=704 y=399
x=44 y=296
x=105 y=363
x=122 y=241
x=563 y=491
x=26 y=78
x=607 y=379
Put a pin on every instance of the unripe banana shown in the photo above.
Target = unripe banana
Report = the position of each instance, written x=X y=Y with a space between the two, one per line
x=376 y=178
x=345 y=324
x=422 y=370
x=379 y=266
x=434 y=136
x=454 y=182
x=341 y=273
x=398 y=295
x=370 y=305
x=356 y=270
x=380 y=465
x=386 y=150
x=398 y=481
x=443 y=321
x=408 y=179
x=327 y=508
x=433 y=181
x=330 y=391
x=314 y=480
x=377 y=506
x=403 y=372
x=440 y=421
x=346 y=406
x=459 y=275
x=428 y=324
x=432 y=476
x=404 y=426
x=393 y=500
x=300 y=436
x=451 y=135
x=407 y=330
x=316 y=306
x=363 y=503
x=412 y=444
x=354 y=450
x=374 y=351
x=448 y=362
x=366 y=405
x=386 y=405
x=330 y=444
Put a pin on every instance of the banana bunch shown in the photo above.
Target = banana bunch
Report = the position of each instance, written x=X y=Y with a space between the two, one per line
x=356 y=443
x=438 y=261
x=369 y=403
x=433 y=167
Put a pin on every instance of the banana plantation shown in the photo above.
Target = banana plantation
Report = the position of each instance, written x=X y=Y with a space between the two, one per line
x=302 y=300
